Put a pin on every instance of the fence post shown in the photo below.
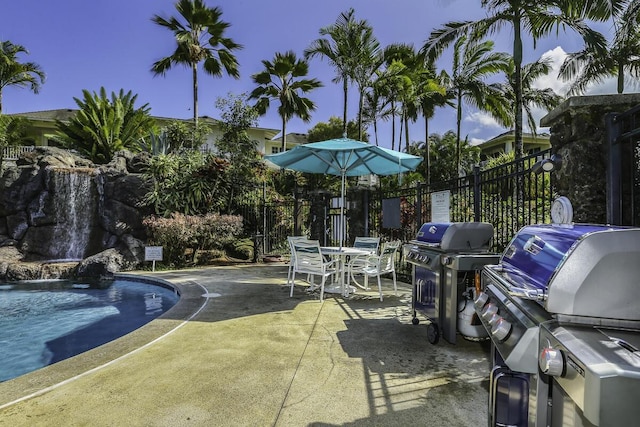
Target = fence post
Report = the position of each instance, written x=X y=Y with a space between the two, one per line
x=418 y=204
x=476 y=193
x=614 y=197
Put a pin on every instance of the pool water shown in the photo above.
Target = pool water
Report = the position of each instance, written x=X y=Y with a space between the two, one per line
x=47 y=321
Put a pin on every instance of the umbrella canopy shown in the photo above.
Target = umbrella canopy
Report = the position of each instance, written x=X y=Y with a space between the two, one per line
x=345 y=157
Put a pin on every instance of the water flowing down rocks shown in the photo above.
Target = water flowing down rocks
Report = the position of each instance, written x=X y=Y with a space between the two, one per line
x=56 y=206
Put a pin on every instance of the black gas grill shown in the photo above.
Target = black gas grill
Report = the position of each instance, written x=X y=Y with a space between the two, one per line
x=446 y=258
x=563 y=314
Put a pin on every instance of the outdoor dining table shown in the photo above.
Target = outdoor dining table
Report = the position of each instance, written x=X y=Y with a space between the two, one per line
x=341 y=254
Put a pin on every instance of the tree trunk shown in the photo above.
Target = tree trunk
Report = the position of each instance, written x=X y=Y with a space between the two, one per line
x=427 y=152
x=194 y=72
x=393 y=125
x=284 y=134
x=344 y=107
x=406 y=133
x=375 y=131
x=620 y=82
x=458 y=123
x=360 y=104
x=517 y=60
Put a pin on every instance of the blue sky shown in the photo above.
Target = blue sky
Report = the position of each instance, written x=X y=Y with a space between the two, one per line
x=84 y=44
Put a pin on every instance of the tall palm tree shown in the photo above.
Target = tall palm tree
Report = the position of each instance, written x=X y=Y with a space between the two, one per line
x=539 y=18
x=15 y=73
x=473 y=62
x=623 y=56
x=432 y=93
x=200 y=38
x=281 y=80
x=531 y=96
x=368 y=60
x=340 y=49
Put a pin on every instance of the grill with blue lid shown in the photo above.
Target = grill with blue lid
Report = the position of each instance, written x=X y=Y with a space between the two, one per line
x=445 y=258
x=561 y=303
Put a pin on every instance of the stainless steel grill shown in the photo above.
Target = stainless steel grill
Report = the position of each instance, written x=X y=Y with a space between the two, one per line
x=446 y=258
x=564 y=320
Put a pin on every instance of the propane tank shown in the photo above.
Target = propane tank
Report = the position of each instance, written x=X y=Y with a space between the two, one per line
x=469 y=324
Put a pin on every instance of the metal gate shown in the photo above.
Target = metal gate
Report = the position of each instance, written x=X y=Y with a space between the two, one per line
x=623 y=169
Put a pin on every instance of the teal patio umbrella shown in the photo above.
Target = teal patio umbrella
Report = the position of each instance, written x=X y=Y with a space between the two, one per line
x=345 y=157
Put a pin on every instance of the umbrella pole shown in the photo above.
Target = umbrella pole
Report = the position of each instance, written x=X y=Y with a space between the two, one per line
x=343 y=225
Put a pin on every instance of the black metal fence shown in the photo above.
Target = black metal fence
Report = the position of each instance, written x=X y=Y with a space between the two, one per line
x=623 y=171
x=508 y=196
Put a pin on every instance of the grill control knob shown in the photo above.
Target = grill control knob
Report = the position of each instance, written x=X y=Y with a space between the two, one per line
x=481 y=300
x=551 y=362
x=489 y=310
x=500 y=329
x=494 y=319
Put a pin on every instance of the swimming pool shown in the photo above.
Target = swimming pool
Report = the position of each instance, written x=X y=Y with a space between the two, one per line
x=44 y=322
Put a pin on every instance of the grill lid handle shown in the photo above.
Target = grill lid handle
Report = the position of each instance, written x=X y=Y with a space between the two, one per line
x=531 y=294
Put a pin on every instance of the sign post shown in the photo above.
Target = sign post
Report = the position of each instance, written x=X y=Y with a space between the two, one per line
x=153 y=253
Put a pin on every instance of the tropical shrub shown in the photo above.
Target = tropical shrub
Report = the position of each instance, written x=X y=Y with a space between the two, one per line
x=190 y=183
x=181 y=235
x=181 y=135
x=105 y=125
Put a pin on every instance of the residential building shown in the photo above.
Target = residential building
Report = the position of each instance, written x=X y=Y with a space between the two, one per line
x=505 y=143
x=43 y=128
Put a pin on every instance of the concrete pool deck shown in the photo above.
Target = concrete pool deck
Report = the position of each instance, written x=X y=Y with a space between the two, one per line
x=237 y=351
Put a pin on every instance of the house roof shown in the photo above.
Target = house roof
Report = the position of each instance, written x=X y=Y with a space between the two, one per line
x=48 y=115
x=510 y=134
x=295 y=138
x=64 y=114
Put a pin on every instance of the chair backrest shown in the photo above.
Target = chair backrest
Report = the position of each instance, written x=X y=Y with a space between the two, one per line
x=388 y=256
x=369 y=243
x=307 y=255
x=291 y=240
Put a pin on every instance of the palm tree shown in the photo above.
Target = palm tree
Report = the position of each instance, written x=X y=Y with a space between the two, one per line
x=340 y=49
x=15 y=73
x=368 y=60
x=590 y=66
x=531 y=96
x=200 y=38
x=539 y=17
x=474 y=61
x=374 y=105
x=432 y=94
x=280 y=80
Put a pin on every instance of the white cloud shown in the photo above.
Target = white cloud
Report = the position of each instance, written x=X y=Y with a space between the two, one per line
x=551 y=80
x=557 y=56
x=482 y=119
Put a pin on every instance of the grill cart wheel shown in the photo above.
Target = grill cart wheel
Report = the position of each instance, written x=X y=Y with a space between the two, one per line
x=415 y=320
x=433 y=333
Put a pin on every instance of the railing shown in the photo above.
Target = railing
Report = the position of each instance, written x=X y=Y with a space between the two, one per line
x=12 y=153
x=509 y=197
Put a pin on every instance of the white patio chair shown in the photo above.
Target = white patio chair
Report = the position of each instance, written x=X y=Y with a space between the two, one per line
x=369 y=243
x=309 y=260
x=372 y=244
x=290 y=240
x=376 y=265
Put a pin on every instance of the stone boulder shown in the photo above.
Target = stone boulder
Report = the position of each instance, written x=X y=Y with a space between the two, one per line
x=101 y=265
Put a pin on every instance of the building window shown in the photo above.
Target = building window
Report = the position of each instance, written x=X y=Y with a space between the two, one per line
x=275 y=150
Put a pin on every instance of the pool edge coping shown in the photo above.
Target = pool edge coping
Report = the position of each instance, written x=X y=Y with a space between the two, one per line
x=33 y=384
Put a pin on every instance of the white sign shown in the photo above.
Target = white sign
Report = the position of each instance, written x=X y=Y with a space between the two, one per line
x=153 y=253
x=440 y=206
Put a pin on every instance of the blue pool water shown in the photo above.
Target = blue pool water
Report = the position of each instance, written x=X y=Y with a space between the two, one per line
x=44 y=322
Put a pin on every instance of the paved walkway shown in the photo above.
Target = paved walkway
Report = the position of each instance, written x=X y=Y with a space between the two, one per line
x=237 y=351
